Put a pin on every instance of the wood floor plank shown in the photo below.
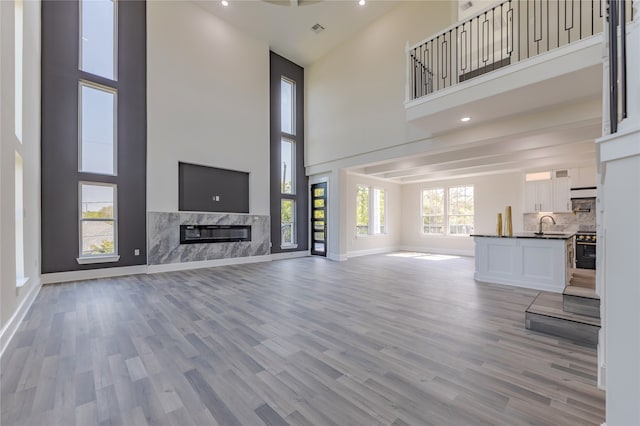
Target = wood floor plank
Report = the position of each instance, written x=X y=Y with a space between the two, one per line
x=401 y=339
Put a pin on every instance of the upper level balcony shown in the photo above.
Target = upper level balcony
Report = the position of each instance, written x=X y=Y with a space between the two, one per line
x=513 y=57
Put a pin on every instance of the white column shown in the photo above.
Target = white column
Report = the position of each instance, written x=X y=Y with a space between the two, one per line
x=619 y=240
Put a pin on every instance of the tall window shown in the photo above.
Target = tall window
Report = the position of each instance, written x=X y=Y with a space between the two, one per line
x=287 y=164
x=97 y=219
x=288 y=219
x=461 y=210
x=18 y=49
x=433 y=211
x=362 y=210
x=370 y=210
x=98 y=37
x=287 y=106
x=288 y=184
x=448 y=212
x=19 y=219
x=97 y=129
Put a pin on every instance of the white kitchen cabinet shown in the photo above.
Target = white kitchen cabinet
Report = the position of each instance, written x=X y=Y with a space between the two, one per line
x=538 y=196
x=583 y=177
x=561 y=195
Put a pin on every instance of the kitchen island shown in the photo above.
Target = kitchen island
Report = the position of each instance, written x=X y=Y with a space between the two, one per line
x=540 y=262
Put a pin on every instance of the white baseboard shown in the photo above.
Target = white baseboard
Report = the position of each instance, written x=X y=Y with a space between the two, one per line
x=438 y=250
x=183 y=266
x=89 y=274
x=10 y=328
x=337 y=257
x=358 y=253
x=290 y=255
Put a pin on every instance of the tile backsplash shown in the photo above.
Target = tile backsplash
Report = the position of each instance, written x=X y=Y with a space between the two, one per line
x=565 y=222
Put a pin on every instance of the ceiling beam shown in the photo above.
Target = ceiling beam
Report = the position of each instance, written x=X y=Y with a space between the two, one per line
x=498 y=146
x=516 y=159
x=576 y=160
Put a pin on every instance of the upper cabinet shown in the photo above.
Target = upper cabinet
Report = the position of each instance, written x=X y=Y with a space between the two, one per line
x=583 y=177
x=547 y=192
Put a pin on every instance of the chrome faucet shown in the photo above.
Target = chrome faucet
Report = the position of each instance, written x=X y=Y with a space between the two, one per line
x=540 y=224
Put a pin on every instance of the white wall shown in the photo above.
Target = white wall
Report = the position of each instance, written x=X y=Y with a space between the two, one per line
x=355 y=94
x=360 y=245
x=491 y=195
x=12 y=297
x=208 y=101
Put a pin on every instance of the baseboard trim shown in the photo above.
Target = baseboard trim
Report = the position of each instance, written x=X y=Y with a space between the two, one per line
x=358 y=253
x=290 y=255
x=337 y=257
x=90 y=274
x=183 y=266
x=10 y=328
x=438 y=250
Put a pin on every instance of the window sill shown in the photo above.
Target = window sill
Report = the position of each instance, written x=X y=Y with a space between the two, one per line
x=288 y=246
x=21 y=282
x=97 y=259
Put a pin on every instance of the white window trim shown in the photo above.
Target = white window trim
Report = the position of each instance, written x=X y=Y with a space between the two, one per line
x=294 y=221
x=293 y=165
x=98 y=258
x=114 y=92
x=115 y=42
x=445 y=213
x=370 y=233
x=293 y=106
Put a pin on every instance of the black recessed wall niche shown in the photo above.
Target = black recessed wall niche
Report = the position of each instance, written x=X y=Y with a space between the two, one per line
x=211 y=189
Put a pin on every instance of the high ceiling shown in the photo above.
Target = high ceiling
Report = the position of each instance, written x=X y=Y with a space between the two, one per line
x=286 y=25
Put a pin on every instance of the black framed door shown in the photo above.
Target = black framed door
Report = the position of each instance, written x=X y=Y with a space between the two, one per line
x=319 y=219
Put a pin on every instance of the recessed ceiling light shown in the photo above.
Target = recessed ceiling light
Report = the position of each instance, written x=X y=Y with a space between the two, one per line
x=362 y=2
x=465 y=119
x=225 y=3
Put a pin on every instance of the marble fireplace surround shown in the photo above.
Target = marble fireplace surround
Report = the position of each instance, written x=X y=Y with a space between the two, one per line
x=164 y=238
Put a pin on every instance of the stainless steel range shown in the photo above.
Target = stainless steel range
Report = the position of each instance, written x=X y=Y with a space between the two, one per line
x=586 y=250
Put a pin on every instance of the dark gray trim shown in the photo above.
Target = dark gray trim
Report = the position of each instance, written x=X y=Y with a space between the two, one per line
x=279 y=67
x=59 y=139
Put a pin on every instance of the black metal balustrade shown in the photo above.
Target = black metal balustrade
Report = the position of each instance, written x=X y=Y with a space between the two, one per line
x=501 y=35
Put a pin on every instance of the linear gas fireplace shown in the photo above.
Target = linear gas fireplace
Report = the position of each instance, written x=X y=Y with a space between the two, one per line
x=198 y=234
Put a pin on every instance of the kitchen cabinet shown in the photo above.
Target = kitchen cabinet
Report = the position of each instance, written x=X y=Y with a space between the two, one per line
x=562 y=195
x=538 y=196
x=583 y=177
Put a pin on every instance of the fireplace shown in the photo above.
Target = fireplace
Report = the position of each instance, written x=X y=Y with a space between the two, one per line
x=199 y=234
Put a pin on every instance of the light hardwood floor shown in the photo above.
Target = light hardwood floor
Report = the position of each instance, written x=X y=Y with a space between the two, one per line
x=390 y=340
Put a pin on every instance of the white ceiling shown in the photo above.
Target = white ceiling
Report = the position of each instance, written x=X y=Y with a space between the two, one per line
x=286 y=25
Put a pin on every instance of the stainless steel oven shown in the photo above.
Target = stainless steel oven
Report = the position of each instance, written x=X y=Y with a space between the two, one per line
x=586 y=250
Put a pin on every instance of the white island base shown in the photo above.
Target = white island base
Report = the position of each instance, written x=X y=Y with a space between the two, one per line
x=523 y=261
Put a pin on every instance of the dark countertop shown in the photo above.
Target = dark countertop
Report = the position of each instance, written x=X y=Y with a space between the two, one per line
x=545 y=236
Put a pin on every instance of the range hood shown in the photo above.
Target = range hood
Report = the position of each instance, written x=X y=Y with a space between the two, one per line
x=582 y=193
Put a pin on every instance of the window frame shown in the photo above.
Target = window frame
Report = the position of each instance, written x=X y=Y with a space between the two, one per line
x=443 y=214
x=449 y=214
x=92 y=85
x=293 y=224
x=293 y=106
x=293 y=165
x=446 y=213
x=371 y=212
x=98 y=258
x=115 y=42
